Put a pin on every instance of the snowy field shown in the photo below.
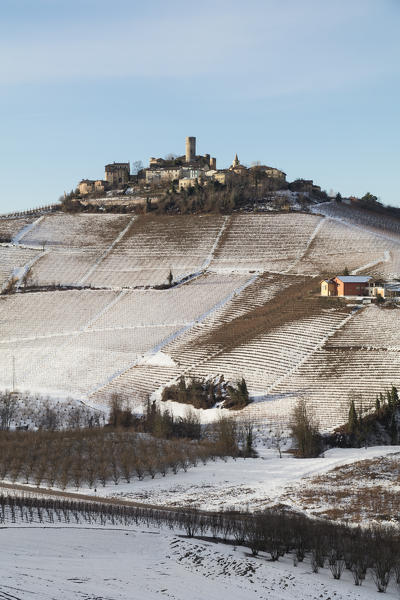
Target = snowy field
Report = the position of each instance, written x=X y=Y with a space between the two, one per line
x=75 y=563
x=253 y=483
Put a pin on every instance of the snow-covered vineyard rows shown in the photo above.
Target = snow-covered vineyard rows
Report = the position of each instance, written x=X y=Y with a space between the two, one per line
x=330 y=377
x=185 y=350
x=50 y=313
x=9 y=227
x=372 y=221
x=12 y=259
x=338 y=246
x=150 y=249
x=251 y=309
x=369 y=232
x=75 y=231
x=265 y=242
x=70 y=342
x=374 y=328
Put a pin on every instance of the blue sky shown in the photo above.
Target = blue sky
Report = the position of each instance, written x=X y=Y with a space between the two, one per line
x=309 y=86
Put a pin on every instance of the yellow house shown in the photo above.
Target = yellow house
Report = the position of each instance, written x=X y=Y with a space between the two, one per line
x=328 y=288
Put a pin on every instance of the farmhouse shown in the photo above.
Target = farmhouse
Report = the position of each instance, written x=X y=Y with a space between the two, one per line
x=346 y=285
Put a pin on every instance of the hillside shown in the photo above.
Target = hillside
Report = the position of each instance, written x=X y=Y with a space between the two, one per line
x=93 y=315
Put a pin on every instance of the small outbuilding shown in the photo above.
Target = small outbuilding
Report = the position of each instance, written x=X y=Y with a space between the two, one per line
x=328 y=287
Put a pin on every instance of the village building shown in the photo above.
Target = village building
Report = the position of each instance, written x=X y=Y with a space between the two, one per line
x=89 y=186
x=186 y=182
x=161 y=175
x=223 y=176
x=236 y=167
x=86 y=186
x=117 y=173
x=270 y=172
x=100 y=185
x=302 y=185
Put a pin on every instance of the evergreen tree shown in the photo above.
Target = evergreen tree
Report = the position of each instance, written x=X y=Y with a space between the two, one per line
x=394 y=396
x=353 y=422
x=393 y=430
x=242 y=387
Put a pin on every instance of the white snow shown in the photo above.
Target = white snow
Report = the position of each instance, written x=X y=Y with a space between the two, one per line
x=143 y=563
x=159 y=359
x=237 y=483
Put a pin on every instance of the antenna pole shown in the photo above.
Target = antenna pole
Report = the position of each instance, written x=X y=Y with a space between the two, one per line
x=13 y=373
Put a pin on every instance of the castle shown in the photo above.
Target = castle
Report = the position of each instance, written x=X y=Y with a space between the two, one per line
x=187 y=170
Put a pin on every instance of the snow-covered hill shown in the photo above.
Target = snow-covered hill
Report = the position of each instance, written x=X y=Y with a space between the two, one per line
x=249 y=307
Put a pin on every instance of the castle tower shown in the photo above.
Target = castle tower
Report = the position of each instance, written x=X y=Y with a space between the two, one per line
x=190 y=149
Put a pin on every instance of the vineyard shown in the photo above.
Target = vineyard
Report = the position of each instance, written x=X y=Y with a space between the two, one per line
x=95 y=305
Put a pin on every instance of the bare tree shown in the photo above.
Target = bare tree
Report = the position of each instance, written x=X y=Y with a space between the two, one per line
x=8 y=407
x=137 y=166
x=278 y=439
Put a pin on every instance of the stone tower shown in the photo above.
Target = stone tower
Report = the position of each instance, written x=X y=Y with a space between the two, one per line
x=236 y=161
x=190 y=149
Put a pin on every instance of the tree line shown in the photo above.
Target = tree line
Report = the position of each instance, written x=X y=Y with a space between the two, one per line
x=271 y=534
x=92 y=458
x=366 y=427
x=128 y=446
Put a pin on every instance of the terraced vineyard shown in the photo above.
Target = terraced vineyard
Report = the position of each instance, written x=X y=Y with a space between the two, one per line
x=155 y=245
x=10 y=226
x=12 y=259
x=338 y=246
x=379 y=237
x=249 y=307
x=265 y=242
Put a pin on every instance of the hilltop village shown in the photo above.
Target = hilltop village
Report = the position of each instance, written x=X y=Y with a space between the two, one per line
x=192 y=183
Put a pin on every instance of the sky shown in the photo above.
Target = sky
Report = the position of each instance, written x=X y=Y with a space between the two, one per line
x=311 y=87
